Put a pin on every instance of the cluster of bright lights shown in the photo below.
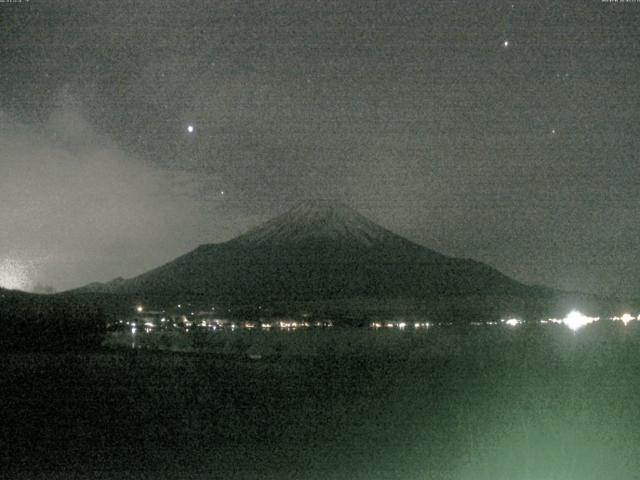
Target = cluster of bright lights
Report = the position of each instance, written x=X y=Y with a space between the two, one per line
x=191 y=319
x=399 y=325
x=576 y=320
x=551 y=320
x=625 y=318
x=293 y=324
x=512 y=322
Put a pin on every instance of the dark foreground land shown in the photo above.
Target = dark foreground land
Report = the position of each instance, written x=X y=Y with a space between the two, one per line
x=523 y=403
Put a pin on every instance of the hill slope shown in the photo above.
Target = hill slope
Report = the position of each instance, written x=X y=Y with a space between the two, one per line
x=34 y=322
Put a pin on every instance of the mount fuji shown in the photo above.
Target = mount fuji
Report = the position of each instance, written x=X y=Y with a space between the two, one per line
x=317 y=251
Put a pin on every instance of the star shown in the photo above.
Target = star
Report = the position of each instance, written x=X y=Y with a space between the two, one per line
x=190 y=128
x=506 y=44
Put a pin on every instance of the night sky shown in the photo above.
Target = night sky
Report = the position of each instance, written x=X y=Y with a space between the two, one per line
x=504 y=131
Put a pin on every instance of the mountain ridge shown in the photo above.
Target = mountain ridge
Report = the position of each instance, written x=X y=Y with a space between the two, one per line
x=318 y=250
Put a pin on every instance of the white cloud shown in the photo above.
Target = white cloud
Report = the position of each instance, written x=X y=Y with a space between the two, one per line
x=75 y=207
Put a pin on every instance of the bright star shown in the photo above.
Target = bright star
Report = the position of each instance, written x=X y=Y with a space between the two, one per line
x=190 y=128
x=506 y=44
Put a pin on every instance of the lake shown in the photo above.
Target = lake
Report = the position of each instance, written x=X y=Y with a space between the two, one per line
x=341 y=403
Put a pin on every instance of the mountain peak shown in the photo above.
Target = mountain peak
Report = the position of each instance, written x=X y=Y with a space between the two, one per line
x=319 y=205
x=317 y=220
x=318 y=250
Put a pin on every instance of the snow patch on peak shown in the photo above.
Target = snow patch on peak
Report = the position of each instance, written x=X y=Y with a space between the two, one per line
x=318 y=220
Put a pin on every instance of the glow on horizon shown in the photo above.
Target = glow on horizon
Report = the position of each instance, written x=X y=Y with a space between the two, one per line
x=13 y=274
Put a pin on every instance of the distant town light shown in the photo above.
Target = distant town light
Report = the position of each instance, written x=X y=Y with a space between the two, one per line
x=576 y=320
x=139 y=309
x=513 y=322
x=626 y=318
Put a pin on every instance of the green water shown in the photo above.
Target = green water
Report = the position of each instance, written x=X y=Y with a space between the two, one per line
x=450 y=404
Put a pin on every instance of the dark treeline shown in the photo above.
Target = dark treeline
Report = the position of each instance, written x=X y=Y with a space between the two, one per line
x=49 y=323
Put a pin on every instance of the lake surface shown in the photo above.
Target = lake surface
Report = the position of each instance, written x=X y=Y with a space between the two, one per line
x=523 y=403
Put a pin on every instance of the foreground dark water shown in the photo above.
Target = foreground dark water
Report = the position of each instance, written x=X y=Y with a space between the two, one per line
x=449 y=404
